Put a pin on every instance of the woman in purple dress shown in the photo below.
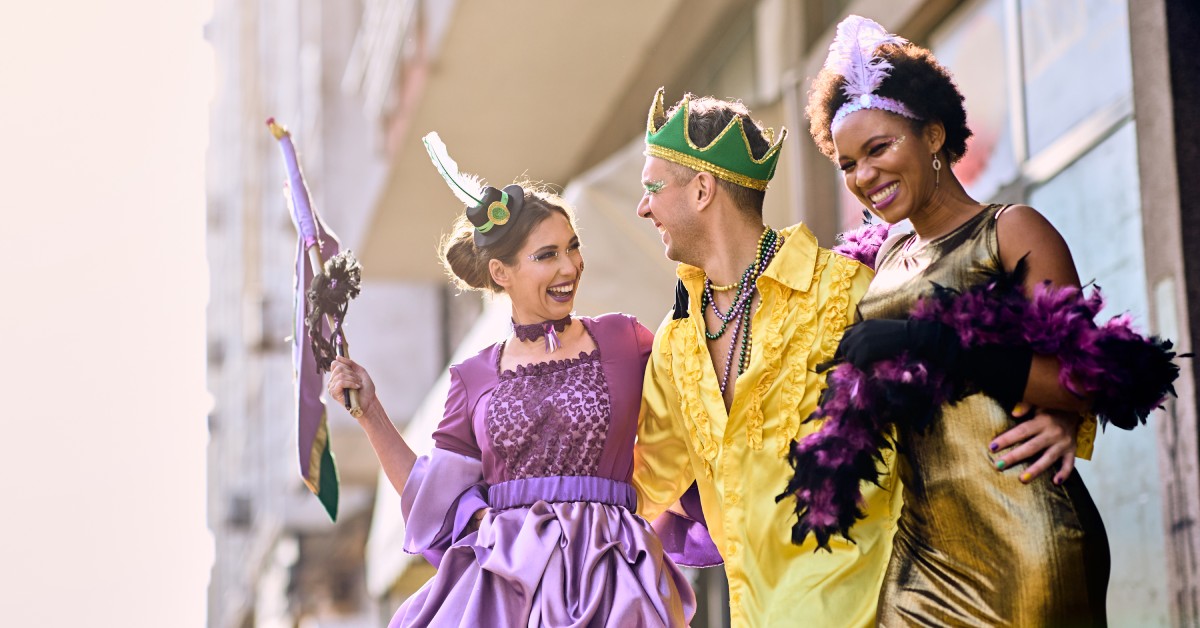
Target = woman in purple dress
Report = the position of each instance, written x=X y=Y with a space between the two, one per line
x=525 y=505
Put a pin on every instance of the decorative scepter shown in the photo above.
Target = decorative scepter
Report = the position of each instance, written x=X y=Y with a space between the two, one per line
x=324 y=290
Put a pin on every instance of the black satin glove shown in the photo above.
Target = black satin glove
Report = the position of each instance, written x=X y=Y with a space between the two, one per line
x=999 y=371
x=870 y=341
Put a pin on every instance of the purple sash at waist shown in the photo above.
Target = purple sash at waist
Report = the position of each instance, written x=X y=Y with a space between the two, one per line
x=522 y=493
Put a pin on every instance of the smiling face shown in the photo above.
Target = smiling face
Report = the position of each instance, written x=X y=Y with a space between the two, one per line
x=544 y=279
x=886 y=161
x=665 y=203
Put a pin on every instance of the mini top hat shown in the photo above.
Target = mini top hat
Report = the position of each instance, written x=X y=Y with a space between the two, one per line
x=489 y=209
x=496 y=209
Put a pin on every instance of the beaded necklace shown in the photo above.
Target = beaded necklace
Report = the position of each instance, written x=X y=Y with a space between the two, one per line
x=739 y=312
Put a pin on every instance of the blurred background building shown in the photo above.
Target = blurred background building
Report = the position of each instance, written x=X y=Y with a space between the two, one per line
x=1086 y=109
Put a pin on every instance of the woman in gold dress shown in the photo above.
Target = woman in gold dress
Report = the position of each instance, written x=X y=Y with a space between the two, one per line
x=979 y=541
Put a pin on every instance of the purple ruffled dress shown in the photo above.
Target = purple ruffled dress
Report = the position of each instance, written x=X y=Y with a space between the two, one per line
x=548 y=449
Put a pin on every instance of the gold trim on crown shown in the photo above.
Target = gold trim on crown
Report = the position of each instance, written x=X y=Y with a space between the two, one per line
x=695 y=163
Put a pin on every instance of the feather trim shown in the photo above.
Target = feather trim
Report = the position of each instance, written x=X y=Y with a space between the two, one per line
x=862 y=245
x=467 y=187
x=853 y=55
x=859 y=408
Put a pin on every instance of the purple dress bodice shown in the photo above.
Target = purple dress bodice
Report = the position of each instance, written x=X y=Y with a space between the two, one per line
x=574 y=417
x=550 y=419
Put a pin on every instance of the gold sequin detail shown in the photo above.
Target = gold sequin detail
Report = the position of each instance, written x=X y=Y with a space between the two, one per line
x=696 y=163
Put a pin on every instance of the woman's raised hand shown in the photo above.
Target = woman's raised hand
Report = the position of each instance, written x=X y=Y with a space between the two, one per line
x=346 y=373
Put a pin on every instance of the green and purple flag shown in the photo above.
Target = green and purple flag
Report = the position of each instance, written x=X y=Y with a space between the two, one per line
x=317 y=467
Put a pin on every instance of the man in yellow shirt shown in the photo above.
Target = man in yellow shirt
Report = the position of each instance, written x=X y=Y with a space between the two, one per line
x=733 y=373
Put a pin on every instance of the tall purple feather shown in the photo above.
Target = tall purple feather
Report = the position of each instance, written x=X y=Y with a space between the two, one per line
x=853 y=55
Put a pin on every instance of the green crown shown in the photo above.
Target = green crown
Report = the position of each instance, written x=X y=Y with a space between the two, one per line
x=728 y=157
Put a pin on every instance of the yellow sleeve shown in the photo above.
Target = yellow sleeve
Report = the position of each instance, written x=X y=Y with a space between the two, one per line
x=1085 y=439
x=662 y=467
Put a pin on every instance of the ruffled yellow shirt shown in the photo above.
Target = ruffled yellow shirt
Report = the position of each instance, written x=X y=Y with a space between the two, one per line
x=739 y=459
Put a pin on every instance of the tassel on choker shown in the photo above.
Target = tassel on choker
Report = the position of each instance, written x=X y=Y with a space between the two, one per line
x=547 y=329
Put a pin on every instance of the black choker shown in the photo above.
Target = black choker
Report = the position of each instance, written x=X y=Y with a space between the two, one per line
x=547 y=329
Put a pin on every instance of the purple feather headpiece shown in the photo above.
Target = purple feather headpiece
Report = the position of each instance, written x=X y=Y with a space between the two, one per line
x=853 y=56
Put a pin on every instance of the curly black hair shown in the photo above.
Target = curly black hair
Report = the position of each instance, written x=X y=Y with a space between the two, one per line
x=916 y=79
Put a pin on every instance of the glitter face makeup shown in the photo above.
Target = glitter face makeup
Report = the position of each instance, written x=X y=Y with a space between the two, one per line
x=654 y=187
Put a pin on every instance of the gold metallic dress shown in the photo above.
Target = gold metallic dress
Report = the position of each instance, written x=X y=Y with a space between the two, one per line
x=975 y=546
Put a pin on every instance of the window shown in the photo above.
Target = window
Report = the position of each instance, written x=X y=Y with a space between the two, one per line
x=1076 y=62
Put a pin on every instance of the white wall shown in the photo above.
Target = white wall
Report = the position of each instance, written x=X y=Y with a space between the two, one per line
x=1095 y=205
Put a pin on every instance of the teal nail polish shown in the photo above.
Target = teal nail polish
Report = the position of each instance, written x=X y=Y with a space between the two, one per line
x=1000 y=465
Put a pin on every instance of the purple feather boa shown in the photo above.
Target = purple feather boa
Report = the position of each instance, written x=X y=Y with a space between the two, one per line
x=862 y=244
x=858 y=409
x=1126 y=375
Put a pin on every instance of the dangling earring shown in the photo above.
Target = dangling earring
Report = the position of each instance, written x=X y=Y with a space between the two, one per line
x=937 y=170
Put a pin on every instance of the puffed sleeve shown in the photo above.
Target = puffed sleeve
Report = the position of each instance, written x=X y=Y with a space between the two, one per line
x=456 y=432
x=446 y=487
